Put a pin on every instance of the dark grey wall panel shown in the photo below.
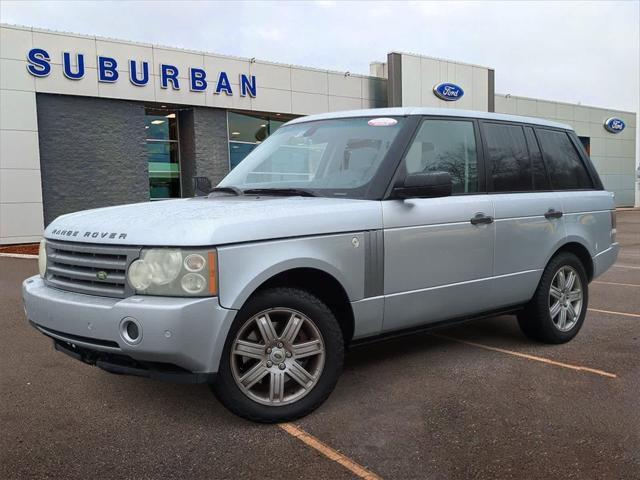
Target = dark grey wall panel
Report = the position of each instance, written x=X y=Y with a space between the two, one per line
x=491 y=107
x=92 y=153
x=204 y=149
x=211 y=145
x=187 y=151
x=394 y=81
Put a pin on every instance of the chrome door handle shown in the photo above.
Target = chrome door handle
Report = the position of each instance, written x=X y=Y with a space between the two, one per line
x=481 y=218
x=551 y=213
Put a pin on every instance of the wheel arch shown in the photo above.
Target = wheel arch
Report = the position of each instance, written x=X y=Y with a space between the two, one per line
x=313 y=275
x=321 y=284
x=581 y=251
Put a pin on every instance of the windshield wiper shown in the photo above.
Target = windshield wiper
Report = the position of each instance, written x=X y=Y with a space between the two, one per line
x=234 y=190
x=285 y=192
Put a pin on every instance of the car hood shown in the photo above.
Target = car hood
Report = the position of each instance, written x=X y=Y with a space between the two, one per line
x=220 y=220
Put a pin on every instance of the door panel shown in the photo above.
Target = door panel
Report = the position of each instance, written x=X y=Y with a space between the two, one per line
x=529 y=223
x=524 y=240
x=437 y=264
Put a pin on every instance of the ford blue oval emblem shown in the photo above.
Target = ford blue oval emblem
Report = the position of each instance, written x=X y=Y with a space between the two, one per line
x=614 y=125
x=448 y=91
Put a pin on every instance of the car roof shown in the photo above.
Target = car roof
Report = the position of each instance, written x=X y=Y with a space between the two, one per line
x=438 y=112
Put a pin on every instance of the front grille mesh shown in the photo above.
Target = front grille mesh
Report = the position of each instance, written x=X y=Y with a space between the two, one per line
x=90 y=269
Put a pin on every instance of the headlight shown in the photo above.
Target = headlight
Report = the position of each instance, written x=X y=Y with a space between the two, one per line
x=165 y=265
x=174 y=272
x=42 y=258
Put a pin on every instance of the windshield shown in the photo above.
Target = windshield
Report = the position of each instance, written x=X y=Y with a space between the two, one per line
x=336 y=157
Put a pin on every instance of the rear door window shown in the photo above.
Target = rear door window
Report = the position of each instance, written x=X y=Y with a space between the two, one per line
x=565 y=167
x=508 y=158
x=539 y=171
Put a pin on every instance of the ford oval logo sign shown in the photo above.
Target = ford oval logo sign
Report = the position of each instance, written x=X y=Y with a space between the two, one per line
x=614 y=125
x=448 y=91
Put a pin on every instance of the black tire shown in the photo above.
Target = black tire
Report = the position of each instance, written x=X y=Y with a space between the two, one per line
x=535 y=321
x=230 y=394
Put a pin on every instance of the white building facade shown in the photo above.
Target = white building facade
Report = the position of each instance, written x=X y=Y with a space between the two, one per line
x=88 y=122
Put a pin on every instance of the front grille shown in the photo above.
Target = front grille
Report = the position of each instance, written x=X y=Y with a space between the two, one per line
x=90 y=269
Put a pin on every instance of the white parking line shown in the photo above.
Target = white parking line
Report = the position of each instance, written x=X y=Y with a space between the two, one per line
x=328 y=452
x=626 y=266
x=616 y=283
x=17 y=255
x=614 y=313
x=526 y=356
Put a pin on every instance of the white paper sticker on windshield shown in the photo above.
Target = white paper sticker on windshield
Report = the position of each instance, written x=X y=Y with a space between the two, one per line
x=382 y=122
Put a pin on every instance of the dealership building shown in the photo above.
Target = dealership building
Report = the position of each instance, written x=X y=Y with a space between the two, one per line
x=88 y=122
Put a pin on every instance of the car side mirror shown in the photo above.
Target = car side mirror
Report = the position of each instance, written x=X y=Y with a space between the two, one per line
x=201 y=186
x=424 y=185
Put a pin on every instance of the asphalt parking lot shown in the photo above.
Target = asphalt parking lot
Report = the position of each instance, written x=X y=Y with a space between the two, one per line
x=474 y=401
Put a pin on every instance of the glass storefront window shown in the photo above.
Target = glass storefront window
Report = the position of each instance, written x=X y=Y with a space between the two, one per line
x=237 y=152
x=163 y=154
x=248 y=131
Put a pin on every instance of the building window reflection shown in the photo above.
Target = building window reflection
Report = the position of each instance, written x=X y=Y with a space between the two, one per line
x=586 y=143
x=163 y=153
x=248 y=131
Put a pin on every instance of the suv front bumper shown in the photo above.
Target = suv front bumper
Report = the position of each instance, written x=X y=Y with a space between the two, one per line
x=187 y=333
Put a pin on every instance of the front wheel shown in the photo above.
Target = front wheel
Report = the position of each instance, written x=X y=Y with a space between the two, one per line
x=556 y=312
x=282 y=358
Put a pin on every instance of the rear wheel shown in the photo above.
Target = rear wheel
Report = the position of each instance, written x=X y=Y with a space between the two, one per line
x=556 y=312
x=282 y=357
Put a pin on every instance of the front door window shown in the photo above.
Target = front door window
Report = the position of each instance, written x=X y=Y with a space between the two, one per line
x=446 y=146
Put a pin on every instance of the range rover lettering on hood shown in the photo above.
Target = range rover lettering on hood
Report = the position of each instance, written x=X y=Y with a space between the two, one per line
x=75 y=233
x=197 y=222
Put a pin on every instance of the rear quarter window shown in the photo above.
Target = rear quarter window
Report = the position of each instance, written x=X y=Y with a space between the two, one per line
x=566 y=169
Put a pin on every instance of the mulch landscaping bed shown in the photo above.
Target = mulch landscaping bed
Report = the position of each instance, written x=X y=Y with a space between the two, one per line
x=26 y=249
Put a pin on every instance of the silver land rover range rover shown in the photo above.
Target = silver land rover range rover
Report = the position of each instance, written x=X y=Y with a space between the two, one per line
x=338 y=228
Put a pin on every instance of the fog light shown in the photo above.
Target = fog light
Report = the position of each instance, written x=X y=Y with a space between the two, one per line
x=130 y=331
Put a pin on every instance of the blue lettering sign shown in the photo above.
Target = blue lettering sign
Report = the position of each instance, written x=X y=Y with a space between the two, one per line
x=223 y=84
x=74 y=68
x=66 y=66
x=38 y=65
x=247 y=85
x=197 y=80
x=449 y=92
x=133 y=75
x=169 y=73
x=107 y=70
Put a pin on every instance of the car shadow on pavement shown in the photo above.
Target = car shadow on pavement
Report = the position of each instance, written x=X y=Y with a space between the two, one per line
x=503 y=330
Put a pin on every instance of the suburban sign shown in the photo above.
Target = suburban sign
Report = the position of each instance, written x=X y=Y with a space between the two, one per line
x=614 y=125
x=73 y=68
x=448 y=91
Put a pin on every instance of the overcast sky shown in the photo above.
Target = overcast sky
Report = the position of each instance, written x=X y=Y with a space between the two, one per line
x=575 y=51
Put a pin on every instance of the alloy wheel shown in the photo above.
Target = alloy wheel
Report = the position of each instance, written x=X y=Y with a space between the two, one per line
x=277 y=356
x=565 y=298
